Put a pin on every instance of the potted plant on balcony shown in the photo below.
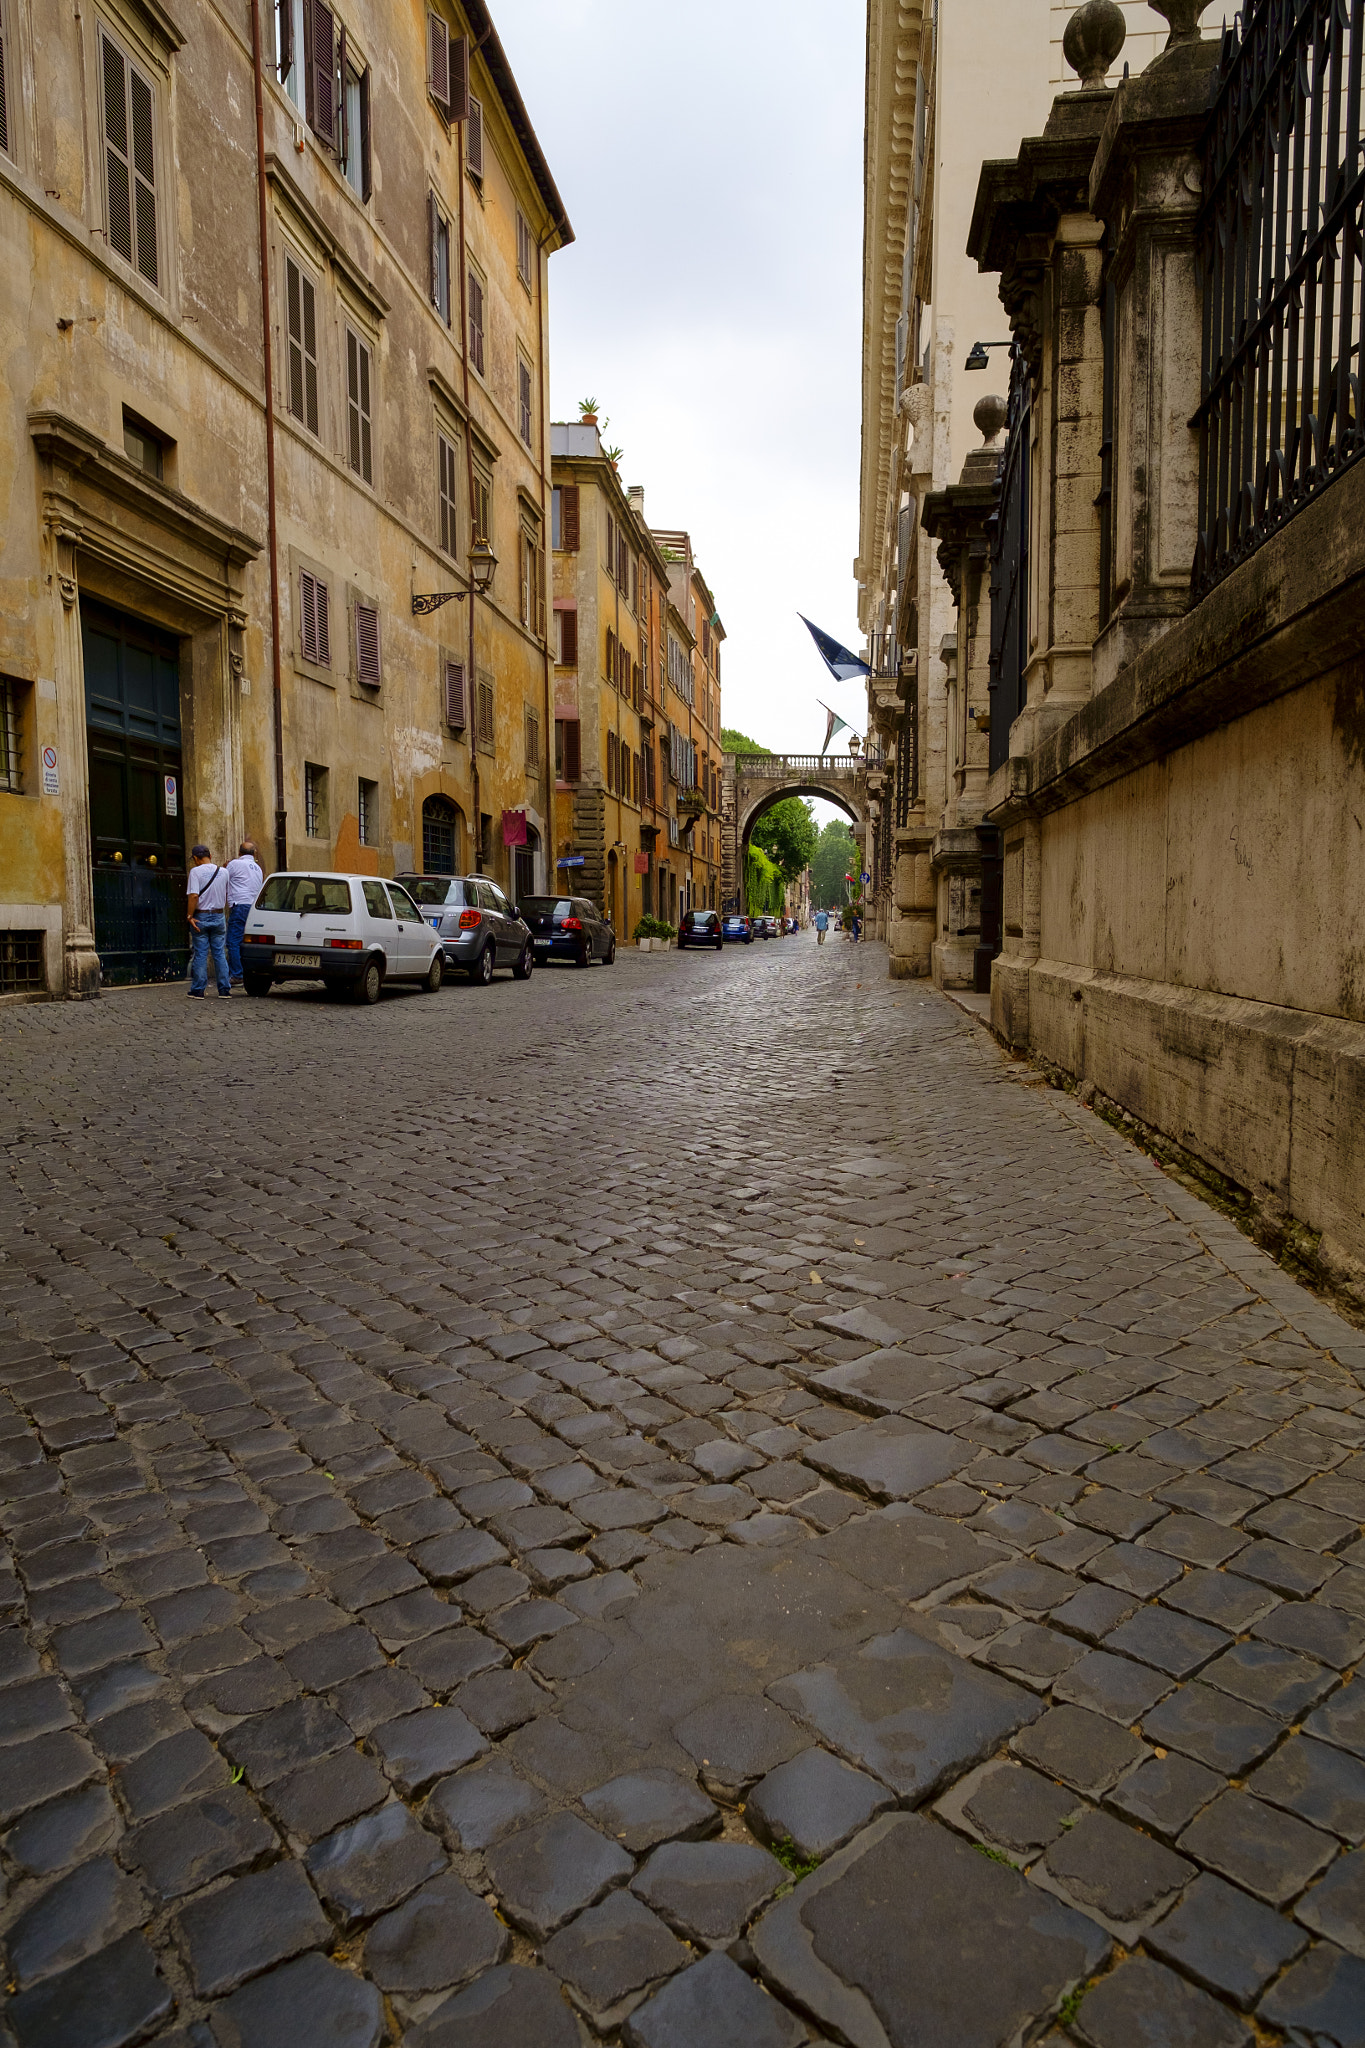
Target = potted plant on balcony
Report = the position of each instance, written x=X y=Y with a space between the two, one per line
x=587 y=412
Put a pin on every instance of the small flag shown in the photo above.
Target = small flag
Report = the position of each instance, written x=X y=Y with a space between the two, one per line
x=836 y=724
x=842 y=664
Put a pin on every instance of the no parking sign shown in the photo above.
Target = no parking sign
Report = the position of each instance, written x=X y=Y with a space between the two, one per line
x=51 y=780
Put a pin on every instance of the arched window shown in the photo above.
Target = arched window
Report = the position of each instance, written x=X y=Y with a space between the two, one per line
x=440 y=836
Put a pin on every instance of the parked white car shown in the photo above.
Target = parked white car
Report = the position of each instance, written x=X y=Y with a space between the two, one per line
x=350 y=932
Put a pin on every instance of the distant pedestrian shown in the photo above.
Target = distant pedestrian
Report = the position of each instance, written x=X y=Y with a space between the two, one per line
x=207 y=906
x=244 y=879
x=857 y=927
x=821 y=926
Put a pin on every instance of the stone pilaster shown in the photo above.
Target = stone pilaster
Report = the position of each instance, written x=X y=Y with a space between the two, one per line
x=81 y=966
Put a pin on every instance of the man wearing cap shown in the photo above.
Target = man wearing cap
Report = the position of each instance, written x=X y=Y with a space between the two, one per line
x=207 y=906
x=244 y=880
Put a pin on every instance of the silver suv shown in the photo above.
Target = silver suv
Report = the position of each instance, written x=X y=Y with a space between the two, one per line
x=479 y=928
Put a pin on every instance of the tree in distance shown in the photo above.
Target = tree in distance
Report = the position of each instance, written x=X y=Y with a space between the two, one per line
x=835 y=855
x=788 y=835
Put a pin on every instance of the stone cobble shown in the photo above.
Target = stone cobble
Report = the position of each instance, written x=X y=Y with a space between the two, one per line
x=692 y=1504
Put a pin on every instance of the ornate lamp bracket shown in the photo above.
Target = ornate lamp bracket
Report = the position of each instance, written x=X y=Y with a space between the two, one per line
x=424 y=601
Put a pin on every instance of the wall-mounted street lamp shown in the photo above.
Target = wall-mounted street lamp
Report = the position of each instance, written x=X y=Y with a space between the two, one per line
x=977 y=358
x=482 y=565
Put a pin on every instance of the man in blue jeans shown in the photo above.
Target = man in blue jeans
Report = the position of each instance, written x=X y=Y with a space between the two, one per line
x=244 y=880
x=207 y=906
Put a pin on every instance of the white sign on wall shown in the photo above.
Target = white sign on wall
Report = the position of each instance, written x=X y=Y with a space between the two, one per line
x=172 y=798
x=51 y=780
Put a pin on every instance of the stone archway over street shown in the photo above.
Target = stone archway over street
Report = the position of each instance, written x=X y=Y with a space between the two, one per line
x=753 y=783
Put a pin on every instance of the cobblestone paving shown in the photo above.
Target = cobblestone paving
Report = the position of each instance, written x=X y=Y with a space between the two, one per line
x=535 y=1517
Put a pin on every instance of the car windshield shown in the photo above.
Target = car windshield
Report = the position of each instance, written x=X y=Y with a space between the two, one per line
x=433 y=889
x=306 y=895
x=546 y=906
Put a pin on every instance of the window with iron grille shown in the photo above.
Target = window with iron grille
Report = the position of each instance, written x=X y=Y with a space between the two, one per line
x=367 y=811
x=447 y=494
x=525 y=249
x=129 y=104
x=11 y=777
x=301 y=325
x=359 y=363
x=314 y=801
x=532 y=743
x=21 y=963
x=315 y=633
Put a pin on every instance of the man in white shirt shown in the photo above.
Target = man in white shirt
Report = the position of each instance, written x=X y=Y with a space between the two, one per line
x=206 y=893
x=244 y=879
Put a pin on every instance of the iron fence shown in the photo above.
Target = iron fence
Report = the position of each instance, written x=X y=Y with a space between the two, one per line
x=1280 y=255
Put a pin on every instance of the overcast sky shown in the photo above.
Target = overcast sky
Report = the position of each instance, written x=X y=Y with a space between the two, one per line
x=710 y=159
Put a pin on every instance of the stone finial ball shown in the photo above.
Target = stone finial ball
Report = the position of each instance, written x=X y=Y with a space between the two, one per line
x=1092 y=41
x=989 y=414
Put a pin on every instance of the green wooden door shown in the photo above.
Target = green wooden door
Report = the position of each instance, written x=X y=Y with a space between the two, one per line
x=137 y=807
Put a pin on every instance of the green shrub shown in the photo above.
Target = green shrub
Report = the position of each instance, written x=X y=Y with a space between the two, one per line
x=654 y=928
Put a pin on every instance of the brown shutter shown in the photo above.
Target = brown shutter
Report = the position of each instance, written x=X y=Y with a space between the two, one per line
x=308 y=617
x=118 y=180
x=573 y=750
x=324 y=631
x=455 y=699
x=144 y=176
x=341 y=127
x=433 y=260
x=540 y=590
x=367 y=645
x=568 y=639
x=366 y=183
x=474 y=138
x=568 y=518
x=457 y=100
x=438 y=62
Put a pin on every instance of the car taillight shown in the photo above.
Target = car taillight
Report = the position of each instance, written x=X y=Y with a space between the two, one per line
x=469 y=920
x=571 y=924
x=258 y=938
x=347 y=945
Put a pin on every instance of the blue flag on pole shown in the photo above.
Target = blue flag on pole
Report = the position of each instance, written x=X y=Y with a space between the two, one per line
x=841 y=663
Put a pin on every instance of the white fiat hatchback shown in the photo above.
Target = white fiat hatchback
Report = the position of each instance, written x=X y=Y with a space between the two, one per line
x=350 y=932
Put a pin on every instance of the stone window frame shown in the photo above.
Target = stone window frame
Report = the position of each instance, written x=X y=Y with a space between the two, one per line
x=144 y=37
x=298 y=562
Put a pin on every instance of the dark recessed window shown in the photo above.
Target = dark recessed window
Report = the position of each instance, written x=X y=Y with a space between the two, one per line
x=143 y=445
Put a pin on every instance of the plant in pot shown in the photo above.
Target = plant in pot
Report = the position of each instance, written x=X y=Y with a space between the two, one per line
x=653 y=932
x=587 y=411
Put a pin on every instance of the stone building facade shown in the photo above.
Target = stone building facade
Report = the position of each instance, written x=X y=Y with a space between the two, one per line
x=1176 y=717
x=275 y=297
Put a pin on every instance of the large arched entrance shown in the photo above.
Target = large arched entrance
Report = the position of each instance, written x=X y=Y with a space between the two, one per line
x=753 y=783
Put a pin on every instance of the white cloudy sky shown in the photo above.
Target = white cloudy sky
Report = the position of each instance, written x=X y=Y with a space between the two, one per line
x=710 y=158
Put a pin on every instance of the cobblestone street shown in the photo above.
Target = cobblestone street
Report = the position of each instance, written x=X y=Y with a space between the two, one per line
x=517 y=1543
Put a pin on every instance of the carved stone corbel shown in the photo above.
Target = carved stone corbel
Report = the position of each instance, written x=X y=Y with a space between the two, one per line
x=65 y=532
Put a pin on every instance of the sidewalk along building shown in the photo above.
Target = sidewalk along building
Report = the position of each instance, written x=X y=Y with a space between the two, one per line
x=1168 y=588
x=257 y=418
x=609 y=577
x=946 y=85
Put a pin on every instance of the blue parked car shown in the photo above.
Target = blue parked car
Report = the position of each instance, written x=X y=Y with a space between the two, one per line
x=737 y=927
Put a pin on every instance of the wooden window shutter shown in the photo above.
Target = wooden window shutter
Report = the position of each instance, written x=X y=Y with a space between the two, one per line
x=568 y=518
x=457 y=99
x=324 y=628
x=438 y=62
x=540 y=589
x=308 y=616
x=4 y=102
x=434 y=261
x=573 y=750
x=611 y=656
x=117 y=170
x=284 y=41
x=366 y=182
x=568 y=639
x=367 y=645
x=456 y=714
x=144 y=176
x=474 y=138
x=476 y=322
x=301 y=324
x=611 y=763
x=319 y=80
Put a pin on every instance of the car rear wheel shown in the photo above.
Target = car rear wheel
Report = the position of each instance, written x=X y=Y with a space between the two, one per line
x=583 y=957
x=368 y=986
x=256 y=984
x=435 y=974
x=523 y=966
x=720 y=945
x=482 y=970
x=610 y=959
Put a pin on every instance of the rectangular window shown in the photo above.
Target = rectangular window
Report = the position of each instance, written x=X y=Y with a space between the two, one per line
x=445 y=491
x=301 y=320
x=485 y=707
x=649 y=772
x=568 y=750
x=532 y=583
x=564 y=517
x=367 y=665
x=289 y=41
x=320 y=72
x=568 y=639
x=21 y=962
x=11 y=733
x=141 y=445
x=314 y=801
x=367 y=811
x=438 y=234
x=532 y=744
x=482 y=506
x=525 y=249
x=611 y=546
x=315 y=634
x=358 y=370
x=476 y=321
x=524 y=400
x=473 y=148
x=355 y=129
x=129 y=161
x=455 y=705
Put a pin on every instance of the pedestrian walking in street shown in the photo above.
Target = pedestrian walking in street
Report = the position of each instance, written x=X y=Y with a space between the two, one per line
x=207 y=906
x=821 y=926
x=244 y=879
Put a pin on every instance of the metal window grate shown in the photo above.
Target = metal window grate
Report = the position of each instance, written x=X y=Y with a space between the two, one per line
x=10 y=764
x=21 y=962
x=1280 y=255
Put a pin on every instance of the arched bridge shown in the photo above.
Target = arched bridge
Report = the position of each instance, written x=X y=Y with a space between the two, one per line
x=753 y=783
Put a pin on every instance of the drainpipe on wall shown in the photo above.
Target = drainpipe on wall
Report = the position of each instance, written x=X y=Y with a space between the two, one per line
x=267 y=353
x=542 y=329
x=469 y=473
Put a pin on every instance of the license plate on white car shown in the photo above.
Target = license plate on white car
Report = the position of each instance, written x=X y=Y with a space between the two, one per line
x=296 y=959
